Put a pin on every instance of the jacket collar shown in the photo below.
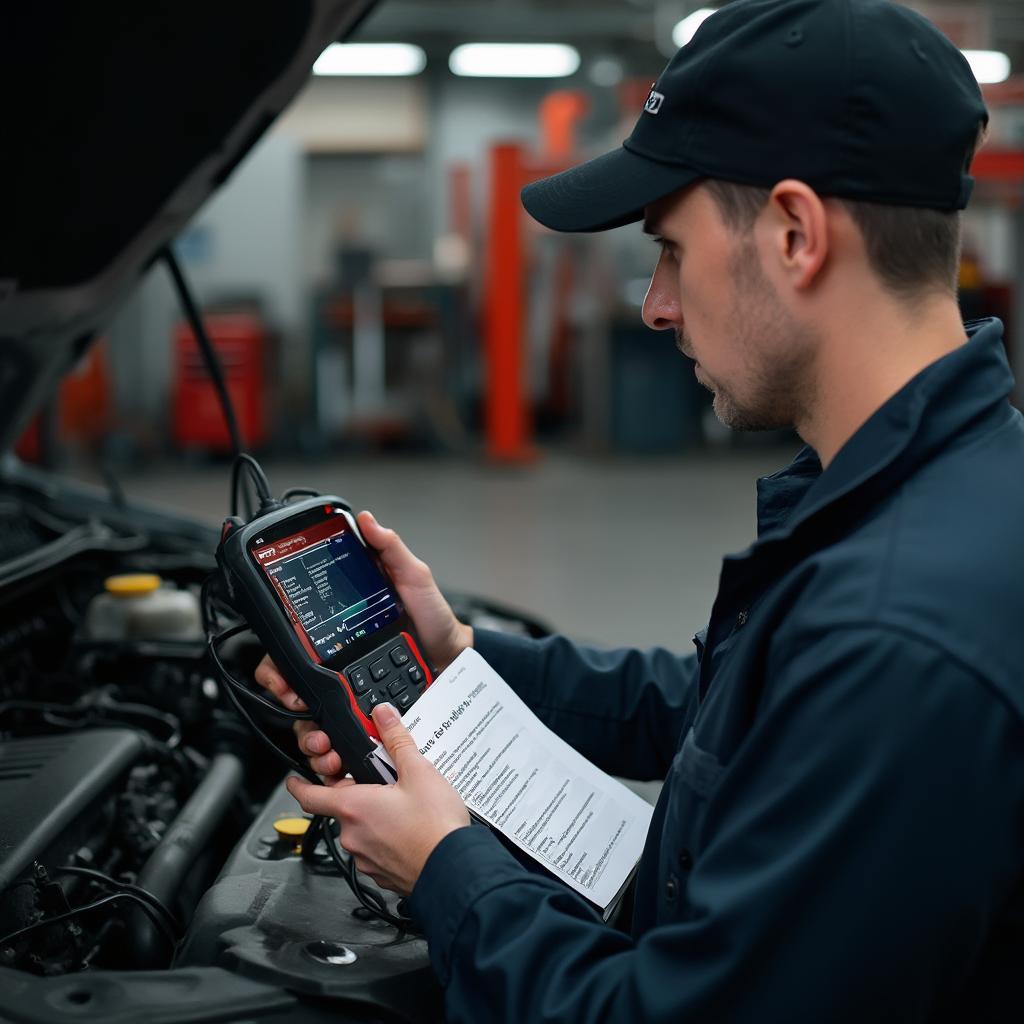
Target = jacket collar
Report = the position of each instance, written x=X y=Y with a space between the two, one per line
x=906 y=431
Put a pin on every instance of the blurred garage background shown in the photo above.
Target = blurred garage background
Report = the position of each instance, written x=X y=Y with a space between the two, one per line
x=394 y=329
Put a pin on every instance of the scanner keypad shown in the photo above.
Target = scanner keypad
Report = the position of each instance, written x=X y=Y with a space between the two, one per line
x=389 y=673
x=360 y=680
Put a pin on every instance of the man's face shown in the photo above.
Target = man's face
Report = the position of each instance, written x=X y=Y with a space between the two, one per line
x=710 y=287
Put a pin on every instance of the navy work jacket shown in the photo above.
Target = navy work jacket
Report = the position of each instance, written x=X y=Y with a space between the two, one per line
x=840 y=836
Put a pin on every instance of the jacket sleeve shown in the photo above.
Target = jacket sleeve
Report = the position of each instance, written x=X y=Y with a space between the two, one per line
x=621 y=709
x=860 y=845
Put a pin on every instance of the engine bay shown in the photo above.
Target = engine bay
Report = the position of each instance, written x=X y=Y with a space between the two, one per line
x=146 y=834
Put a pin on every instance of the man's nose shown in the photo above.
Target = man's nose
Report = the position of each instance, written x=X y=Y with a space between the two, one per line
x=661 y=308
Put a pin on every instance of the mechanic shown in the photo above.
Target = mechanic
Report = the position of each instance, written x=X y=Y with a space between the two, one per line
x=840 y=835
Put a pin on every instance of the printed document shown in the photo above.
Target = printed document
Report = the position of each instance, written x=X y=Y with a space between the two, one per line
x=585 y=827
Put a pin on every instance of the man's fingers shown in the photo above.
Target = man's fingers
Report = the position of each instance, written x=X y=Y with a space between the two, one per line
x=268 y=676
x=316 y=745
x=329 y=764
x=322 y=800
x=443 y=636
x=403 y=565
x=377 y=536
x=396 y=738
x=313 y=741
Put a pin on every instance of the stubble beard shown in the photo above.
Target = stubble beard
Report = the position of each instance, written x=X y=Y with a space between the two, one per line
x=777 y=352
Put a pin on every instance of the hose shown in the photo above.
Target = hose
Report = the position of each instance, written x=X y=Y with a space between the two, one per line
x=187 y=837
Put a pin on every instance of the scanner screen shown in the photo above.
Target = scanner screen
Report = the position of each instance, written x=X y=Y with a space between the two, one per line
x=329 y=585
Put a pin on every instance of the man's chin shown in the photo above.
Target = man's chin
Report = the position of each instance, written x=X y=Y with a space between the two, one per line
x=738 y=419
x=729 y=413
x=708 y=384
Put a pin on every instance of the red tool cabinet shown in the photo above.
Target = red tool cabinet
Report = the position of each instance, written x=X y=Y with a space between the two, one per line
x=240 y=340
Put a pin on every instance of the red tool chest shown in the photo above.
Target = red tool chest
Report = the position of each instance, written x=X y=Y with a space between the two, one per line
x=240 y=340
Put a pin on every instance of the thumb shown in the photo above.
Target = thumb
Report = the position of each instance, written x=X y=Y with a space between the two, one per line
x=397 y=740
x=376 y=535
x=403 y=565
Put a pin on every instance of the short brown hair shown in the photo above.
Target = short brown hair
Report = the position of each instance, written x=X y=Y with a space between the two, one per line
x=912 y=250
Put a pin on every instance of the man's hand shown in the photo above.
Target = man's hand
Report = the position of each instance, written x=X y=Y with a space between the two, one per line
x=312 y=741
x=444 y=637
x=389 y=830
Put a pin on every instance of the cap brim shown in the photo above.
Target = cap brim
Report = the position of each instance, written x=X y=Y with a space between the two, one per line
x=603 y=193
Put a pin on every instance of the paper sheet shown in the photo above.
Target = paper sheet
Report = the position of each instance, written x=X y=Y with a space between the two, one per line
x=518 y=776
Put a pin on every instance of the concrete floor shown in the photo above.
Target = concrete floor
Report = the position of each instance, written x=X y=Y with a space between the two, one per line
x=621 y=551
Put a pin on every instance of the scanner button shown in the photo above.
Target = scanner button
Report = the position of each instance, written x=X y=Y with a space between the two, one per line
x=415 y=674
x=359 y=679
x=399 y=656
x=378 y=670
x=404 y=700
x=397 y=687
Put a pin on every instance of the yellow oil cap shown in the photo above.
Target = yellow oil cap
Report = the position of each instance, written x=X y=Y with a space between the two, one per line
x=132 y=584
x=291 y=828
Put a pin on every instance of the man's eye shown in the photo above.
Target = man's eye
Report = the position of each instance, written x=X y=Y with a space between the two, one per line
x=670 y=249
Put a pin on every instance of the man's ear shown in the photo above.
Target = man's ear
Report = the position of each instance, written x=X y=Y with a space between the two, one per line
x=795 y=228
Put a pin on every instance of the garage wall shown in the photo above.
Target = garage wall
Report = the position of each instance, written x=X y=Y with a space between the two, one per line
x=274 y=228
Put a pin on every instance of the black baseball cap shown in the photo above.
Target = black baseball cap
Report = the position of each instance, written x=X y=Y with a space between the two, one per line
x=860 y=99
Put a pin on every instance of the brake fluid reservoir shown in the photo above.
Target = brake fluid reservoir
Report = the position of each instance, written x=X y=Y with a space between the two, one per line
x=142 y=606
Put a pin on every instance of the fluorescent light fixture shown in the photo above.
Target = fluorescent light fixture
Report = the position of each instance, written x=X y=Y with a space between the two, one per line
x=989 y=66
x=382 y=59
x=514 y=60
x=687 y=28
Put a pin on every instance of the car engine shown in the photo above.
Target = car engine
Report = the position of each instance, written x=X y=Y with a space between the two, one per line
x=145 y=830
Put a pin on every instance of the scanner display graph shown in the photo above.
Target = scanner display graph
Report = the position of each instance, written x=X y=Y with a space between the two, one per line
x=331 y=586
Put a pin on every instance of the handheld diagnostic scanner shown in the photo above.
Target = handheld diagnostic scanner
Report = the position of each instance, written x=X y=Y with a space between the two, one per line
x=330 y=617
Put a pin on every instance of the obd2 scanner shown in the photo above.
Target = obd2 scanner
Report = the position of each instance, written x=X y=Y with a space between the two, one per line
x=329 y=616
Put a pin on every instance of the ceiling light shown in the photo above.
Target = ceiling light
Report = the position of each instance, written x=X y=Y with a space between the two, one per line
x=370 y=59
x=687 y=28
x=989 y=66
x=514 y=60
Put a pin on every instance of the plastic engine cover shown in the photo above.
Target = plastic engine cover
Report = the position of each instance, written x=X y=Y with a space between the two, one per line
x=269 y=912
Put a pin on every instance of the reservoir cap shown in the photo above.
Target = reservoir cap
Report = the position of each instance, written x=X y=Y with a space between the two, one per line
x=291 y=828
x=132 y=584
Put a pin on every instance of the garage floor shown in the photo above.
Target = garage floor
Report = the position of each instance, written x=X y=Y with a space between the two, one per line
x=615 y=551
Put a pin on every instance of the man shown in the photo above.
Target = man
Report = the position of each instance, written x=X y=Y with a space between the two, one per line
x=840 y=836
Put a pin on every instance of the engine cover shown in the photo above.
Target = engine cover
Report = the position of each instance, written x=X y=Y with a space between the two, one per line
x=269 y=913
x=50 y=783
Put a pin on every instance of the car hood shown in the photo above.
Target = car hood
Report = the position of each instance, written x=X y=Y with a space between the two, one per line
x=121 y=121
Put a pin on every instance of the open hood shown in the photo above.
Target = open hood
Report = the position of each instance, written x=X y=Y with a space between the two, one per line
x=121 y=120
